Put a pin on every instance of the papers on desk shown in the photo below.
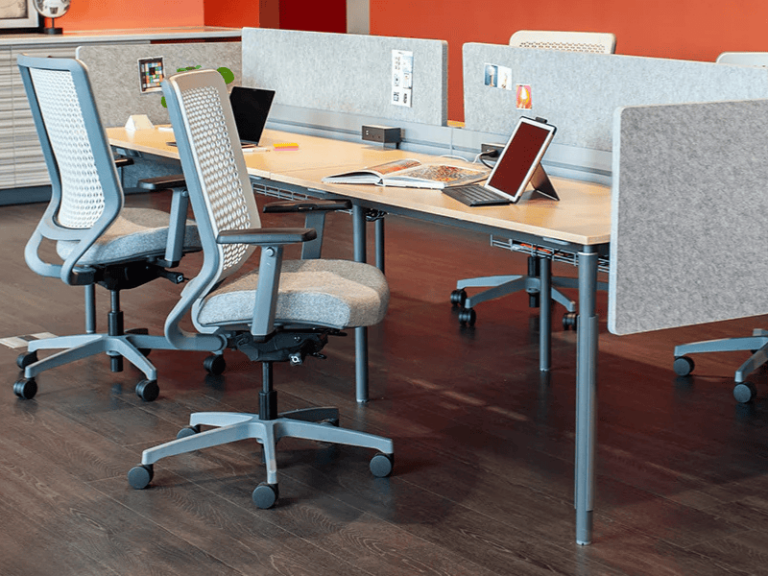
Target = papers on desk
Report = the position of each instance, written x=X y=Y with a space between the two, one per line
x=410 y=173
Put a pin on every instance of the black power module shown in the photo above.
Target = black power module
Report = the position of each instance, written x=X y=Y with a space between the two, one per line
x=382 y=134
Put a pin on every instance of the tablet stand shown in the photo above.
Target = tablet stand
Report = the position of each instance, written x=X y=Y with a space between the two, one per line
x=542 y=184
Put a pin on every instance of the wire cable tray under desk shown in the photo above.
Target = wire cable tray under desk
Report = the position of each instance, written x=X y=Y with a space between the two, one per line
x=603 y=264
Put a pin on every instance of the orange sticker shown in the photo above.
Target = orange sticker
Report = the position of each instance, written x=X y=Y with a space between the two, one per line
x=523 y=97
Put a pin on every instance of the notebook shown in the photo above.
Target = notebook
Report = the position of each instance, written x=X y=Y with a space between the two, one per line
x=518 y=166
x=250 y=107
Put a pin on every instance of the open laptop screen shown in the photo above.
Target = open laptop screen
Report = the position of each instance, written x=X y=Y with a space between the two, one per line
x=520 y=158
x=251 y=108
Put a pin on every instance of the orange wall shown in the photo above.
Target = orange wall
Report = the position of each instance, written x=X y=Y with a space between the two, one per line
x=129 y=14
x=684 y=29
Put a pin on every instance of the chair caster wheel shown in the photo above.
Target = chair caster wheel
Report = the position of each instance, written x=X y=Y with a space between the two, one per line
x=683 y=366
x=148 y=390
x=458 y=297
x=381 y=465
x=215 y=364
x=467 y=317
x=744 y=392
x=25 y=359
x=188 y=431
x=265 y=495
x=25 y=388
x=571 y=321
x=140 y=476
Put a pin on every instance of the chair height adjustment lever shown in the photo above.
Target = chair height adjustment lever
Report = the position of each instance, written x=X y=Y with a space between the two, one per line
x=175 y=277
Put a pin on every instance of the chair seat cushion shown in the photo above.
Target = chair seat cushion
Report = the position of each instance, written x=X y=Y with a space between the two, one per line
x=137 y=232
x=334 y=293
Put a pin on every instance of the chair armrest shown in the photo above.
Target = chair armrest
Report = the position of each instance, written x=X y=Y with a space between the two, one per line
x=123 y=161
x=163 y=182
x=266 y=236
x=307 y=206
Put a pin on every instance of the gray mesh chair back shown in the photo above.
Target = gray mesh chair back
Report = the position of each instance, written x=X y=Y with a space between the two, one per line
x=282 y=311
x=594 y=42
x=86 y=193
x=98 y=240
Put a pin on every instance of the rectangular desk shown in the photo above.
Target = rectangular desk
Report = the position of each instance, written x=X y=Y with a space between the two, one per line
x=579 y=224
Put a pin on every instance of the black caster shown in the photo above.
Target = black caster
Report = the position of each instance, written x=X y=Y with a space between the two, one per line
x=744 y=392
x=381 y=465
x=683 y=366
x=458 y=297
x=467 y=317
x=25 y=388
x=148 y=390
x=25 y=359
x=188 y=431
x=140 y=476
x=265 y=495
x=215 y=364
x=571 y=321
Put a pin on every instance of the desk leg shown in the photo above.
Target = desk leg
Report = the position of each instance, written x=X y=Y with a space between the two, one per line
x=586 y=395
x=545 y=314
x=361 y=333
x=379 y=230
x=90 y=309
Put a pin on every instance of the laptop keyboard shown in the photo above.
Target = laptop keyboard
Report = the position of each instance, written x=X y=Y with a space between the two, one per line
x=475 y=195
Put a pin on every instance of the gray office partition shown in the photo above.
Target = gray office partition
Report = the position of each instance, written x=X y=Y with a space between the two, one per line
x=345 y=74
x=688 y=238
x=578 y=93
x=114 y=72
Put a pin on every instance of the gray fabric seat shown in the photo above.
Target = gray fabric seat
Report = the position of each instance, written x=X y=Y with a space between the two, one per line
x=135 y=232
x=333 y=293
x=282 y=311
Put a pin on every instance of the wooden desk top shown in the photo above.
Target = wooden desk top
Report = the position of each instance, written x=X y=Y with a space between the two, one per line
x=582 y=216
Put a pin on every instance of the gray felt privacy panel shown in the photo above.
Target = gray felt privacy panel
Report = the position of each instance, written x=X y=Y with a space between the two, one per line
x=579 y=92
x=689 y=238
x=346 y=72
x=114 y=72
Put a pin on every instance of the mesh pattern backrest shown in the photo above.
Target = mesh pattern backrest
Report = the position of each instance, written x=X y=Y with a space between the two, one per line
x=565 y=46
x=592 y=42
x=219 y=177
x=82 y=197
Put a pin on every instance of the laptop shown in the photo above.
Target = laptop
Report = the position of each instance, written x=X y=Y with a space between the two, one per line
x=518 y=166
x=251 y=108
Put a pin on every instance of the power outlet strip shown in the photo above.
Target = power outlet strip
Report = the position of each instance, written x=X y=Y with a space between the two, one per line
x=489 y=147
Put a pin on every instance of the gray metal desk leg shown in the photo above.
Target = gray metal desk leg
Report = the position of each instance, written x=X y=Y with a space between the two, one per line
x=361 y=334
x=379 y=230
x=586 y=395
x=545 y=314
x=90 y=309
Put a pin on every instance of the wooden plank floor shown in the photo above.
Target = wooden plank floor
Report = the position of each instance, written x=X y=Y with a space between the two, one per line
x=483 y=480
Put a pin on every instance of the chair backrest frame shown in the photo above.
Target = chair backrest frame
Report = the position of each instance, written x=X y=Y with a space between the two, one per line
x=594 y=42
x=217 y=179
x=88 y=132
x=744 y=58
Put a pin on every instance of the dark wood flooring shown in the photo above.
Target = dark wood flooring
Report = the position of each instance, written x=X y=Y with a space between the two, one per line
x=483 y=481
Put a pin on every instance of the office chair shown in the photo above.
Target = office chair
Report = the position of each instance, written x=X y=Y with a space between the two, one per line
x=594 y=42
x=98 y=240
x=498 y=286
x=744 y=58
x=283 y=311
x=744 y=391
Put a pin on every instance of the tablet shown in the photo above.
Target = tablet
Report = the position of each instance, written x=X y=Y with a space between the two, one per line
x=519 y=163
